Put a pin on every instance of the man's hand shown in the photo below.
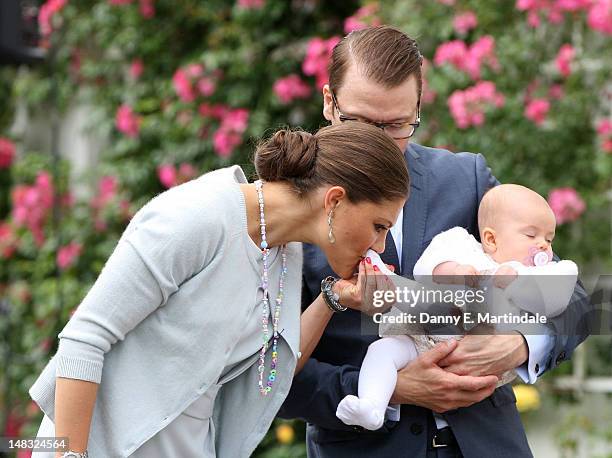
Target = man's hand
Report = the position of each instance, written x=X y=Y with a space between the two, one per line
x=424 y=383
x=478 y=355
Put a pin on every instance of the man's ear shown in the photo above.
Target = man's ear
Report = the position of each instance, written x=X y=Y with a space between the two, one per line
x=328 y=104
x=487 y=238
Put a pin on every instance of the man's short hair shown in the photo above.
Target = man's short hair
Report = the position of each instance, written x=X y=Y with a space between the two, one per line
x=383 y=54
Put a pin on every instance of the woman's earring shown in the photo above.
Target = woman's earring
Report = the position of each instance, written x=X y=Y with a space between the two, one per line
x=330 y=234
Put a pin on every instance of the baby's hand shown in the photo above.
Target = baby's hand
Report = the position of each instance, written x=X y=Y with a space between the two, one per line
x=504 y=276
x=465 y=274
x=452 y=273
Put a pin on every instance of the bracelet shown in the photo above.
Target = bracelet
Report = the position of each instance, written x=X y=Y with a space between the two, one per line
x=329 y=297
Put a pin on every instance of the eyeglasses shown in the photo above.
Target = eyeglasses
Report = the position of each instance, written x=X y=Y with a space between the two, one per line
x=395 y=130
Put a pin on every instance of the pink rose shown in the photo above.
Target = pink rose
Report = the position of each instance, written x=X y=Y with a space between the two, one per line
x=7 y=153
x=189 y=82
x=526 y=4
x=363 y=17
x=468 y=107
x=107 y=191
x=212 y=111
x=68 y=255
x=291 y=88
x=236 y=120
x=206 y=86
x=186 y=172
x=552 y=10
x=251 y=4
x=566 y=204
x=127 y=122
x=533 y=19
x=8 y=240
x=45 y=15
x=182 y=86
x=136 y=69
x=167 y=175
x=225 y=142
x=600 y=16
x=555 y=91
x=536 y=110
x=482 y=51
x=464 y=22
x=194 y=70
x=604 y=130
x=147 y=9
x=452 y=52
x=229 y=134
x=468 y=59
x=564 y=59
x=317 y=58
x=107 y=188
x=572 y=5
x=32 y=204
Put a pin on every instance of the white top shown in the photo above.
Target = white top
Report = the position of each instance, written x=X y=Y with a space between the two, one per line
x=534 y=290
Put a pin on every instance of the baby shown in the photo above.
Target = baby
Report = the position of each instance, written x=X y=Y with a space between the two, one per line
x=517 y=228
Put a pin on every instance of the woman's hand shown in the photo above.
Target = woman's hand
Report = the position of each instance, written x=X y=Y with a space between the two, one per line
x=358 y=292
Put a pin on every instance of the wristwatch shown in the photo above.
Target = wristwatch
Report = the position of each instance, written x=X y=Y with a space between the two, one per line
x=331 y=298
x=73 y=454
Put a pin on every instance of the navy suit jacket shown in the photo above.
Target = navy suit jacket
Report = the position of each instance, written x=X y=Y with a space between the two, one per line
x=445 y=191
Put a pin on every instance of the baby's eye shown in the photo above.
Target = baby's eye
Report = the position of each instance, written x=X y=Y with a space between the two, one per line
x=530 y=235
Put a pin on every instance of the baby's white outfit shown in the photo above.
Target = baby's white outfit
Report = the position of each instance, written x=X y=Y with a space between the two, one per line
x=545 y=289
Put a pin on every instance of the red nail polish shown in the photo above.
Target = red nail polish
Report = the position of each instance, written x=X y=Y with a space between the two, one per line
x=376 y=269
x=392 y=268
x=368 y=260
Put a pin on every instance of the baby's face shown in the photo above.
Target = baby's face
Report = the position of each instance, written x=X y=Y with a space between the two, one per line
x=530 y=228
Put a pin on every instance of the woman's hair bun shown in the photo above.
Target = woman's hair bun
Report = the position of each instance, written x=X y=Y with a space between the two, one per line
x=287 y=155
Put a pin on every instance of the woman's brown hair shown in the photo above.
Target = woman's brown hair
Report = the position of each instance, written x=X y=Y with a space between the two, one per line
x=357 y=156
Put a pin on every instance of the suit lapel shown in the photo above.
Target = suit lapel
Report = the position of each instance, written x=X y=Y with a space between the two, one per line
x=415 y=212
x=389 y=256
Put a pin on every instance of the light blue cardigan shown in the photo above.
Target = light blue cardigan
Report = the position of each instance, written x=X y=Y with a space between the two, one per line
x=157 y=327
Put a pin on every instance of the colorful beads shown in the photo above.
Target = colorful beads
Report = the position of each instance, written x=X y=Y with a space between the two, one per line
x=264 y=390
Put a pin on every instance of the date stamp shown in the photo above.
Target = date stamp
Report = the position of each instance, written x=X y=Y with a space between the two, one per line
x=36 y=444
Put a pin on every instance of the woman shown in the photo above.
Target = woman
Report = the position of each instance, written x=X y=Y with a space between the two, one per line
x=172 y=340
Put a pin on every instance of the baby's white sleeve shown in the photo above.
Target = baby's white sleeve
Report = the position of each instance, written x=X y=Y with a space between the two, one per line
x=450 y=245
x=546 y=290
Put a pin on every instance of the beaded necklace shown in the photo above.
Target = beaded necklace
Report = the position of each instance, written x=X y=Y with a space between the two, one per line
x=264 y=390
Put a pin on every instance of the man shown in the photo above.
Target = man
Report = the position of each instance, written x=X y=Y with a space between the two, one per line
x=375 y=77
